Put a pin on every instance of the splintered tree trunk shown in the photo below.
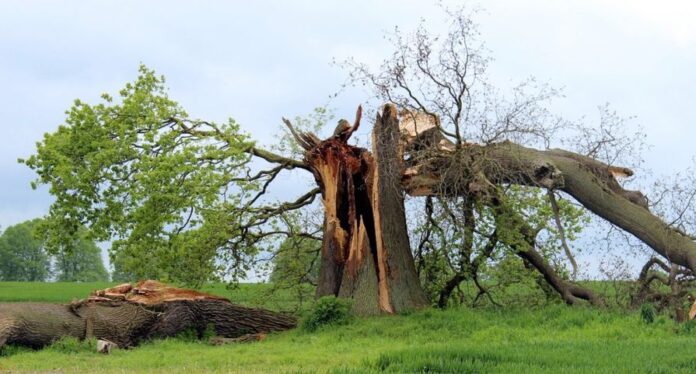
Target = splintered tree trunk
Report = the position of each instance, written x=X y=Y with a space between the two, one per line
x=366 y=254
x=402 y=283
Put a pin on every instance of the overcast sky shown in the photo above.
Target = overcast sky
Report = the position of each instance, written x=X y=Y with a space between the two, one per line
x=256 y=61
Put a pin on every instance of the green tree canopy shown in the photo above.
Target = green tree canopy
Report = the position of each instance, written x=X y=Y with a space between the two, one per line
x=81 y=263
x=22 y=254
x=174 y=194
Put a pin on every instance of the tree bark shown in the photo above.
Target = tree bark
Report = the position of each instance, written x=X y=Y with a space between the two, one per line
x=127 y=318
x=445 y=169
x=402 y=283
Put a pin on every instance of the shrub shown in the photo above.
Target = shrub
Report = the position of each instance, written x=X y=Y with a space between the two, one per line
x=647 y=313
x=688 y=327
x=328 y=310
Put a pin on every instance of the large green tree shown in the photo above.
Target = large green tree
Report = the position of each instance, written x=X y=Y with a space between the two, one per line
x=22 y=254
x=175 y=195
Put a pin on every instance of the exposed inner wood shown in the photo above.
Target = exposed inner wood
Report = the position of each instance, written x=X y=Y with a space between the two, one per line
x=381 y=250
x=345 y=176
x=363 y=250
x=149 y=292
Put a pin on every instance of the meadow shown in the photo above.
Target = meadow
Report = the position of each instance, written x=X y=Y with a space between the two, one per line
x=549 y=339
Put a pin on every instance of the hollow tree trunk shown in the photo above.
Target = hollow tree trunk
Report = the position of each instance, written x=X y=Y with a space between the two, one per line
x=366 y=254
x=127 y=318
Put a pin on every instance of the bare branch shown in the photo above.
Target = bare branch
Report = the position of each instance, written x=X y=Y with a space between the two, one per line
x=561 y=231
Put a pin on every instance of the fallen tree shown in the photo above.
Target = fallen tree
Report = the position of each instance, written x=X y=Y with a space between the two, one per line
x=127 y=315
x=366 y=253
x=447 y=170
x=183 y=196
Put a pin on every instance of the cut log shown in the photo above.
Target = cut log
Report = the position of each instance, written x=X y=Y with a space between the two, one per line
x=126 y=316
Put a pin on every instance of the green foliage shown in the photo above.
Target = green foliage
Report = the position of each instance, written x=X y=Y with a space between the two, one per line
x=82 y=262
x=448 y=249
x=648 y=313
x=22 y=254
x=296 y=261
x=23 y=257
x=136 y=170
x=296 y=268
x=328 y=310
x=534 y=206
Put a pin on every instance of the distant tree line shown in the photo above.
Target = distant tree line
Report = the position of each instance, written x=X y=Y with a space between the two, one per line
x=23 y=257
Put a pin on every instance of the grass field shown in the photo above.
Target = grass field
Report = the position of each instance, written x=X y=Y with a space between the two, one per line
x=554 y=339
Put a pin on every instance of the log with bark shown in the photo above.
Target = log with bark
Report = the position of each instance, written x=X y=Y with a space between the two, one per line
x=127 y=315
x=438 y=167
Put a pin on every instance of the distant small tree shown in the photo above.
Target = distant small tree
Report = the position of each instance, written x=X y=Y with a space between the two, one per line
x=23 y=257
x=81 y=263
x=22 y=254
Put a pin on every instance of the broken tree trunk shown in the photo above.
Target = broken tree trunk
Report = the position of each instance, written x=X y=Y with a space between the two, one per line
x=437 y=167
x=366 y=254
x=127 y=315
